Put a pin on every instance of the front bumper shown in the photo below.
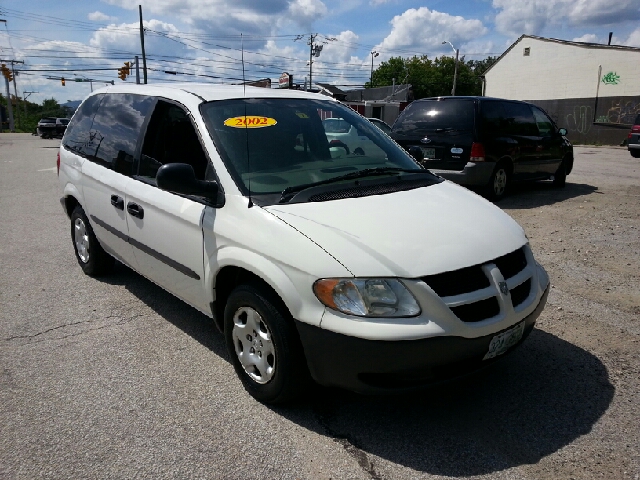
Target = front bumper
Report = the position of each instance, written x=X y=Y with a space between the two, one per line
x=378 y=366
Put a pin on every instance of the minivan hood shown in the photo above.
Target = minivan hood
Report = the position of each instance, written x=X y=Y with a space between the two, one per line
x=407 y=234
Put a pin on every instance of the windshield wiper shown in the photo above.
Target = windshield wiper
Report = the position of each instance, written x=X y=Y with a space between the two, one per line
x=290 y=192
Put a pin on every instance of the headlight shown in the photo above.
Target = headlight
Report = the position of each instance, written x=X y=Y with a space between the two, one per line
x=367 y=297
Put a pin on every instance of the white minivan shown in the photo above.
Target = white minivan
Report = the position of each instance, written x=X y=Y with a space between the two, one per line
x=362 y=271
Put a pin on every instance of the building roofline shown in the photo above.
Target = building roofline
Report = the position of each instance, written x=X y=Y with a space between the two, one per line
x=563 y=42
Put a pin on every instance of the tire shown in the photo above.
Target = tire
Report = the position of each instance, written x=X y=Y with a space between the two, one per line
x=560 y=177
x=635 y=153
x=93 y=260
x=499 y=182
x=358 y=151
x=264 y=345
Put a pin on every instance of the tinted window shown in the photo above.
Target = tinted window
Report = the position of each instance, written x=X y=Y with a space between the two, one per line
x=426 y=116
x=171 y=138
x=493 y=118
x=637 y=120
x=336 y=125
x=545 y=125
x=76 y=137
x=115 y=130
x=64 y=121
x=519 y=119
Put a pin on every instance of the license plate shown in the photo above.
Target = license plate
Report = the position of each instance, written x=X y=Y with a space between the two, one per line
x=428 y=153
x=504 y=341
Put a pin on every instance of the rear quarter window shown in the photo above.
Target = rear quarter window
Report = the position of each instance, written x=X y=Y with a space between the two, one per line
x=424 y=117
x=76 y=138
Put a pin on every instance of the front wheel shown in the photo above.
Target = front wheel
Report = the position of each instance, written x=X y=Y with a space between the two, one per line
x=91 y=257
x=264 y=346
x=560 y=177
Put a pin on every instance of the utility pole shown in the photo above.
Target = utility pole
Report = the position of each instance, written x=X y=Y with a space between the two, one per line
x=15 y=91
x=373 y=54
x=455 y=71
x=137 y=70
x=312 y=38
x=26 y=95
x=144 y=57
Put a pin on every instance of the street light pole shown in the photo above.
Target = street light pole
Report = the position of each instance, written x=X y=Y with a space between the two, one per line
x=373 y=54
x=455 y=71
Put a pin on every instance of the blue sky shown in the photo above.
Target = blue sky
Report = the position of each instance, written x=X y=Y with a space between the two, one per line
x=202 y=40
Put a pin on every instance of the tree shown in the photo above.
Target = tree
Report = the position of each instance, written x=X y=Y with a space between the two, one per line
x=432 y=78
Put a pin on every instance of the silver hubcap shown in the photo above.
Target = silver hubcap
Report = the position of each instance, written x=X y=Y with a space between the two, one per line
x=81 y=238
x=500 y=182
x=253 y=345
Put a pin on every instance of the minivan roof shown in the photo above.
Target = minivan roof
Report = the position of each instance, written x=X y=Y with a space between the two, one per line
x=208 y=92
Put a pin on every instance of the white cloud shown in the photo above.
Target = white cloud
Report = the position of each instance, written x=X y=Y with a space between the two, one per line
x=375 y=3
x=634 y=39
x=588 y=38
x=425 y=30
x=304 y=12
x=98 y=16
x=533 y=16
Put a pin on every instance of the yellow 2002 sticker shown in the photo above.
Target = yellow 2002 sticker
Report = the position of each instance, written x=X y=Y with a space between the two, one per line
x=250 y=121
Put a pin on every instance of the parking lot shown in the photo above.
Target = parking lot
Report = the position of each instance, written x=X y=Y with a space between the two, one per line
x=114 y=378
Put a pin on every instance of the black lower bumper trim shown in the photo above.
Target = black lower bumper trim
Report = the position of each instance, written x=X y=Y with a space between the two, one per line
x=377 y=366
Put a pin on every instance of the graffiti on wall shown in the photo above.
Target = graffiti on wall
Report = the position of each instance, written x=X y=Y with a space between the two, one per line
x=580 y=120
x=621 y=112
x=611 y=78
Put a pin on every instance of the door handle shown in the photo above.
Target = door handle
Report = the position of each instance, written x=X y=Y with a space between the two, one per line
x=117 y=202
x=135 y=210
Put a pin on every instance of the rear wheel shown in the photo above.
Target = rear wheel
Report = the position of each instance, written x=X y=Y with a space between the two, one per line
x=91 y=257
x=499 y=181
x=264 y=346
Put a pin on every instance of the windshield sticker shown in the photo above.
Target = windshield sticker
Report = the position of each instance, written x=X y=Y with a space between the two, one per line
x=302 y=115
x=250 y=121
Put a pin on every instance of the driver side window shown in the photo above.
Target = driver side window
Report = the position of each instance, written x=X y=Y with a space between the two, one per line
x=171 y=138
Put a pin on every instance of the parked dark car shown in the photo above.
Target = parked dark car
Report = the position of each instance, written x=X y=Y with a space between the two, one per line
x=633 y=143
x=49 y=127
x=484 y=142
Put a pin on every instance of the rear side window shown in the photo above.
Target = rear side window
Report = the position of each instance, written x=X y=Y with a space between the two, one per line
x=637 y=120
x=519 y=119
x=493 y=118
x=76 y=137
x=427 y=116
x=116 y=127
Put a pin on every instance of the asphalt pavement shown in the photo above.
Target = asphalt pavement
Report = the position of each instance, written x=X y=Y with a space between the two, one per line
x=115 y=378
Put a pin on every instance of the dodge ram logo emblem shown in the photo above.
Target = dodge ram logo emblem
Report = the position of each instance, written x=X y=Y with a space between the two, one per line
x=503 y=288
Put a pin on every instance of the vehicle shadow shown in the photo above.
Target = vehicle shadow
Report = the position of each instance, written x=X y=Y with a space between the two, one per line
x=541 y=398
x=537 y=194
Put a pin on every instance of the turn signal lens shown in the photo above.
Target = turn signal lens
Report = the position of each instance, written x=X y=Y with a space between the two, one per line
x=367 y=297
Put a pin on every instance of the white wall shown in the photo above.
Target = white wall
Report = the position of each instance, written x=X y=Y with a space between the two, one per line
x=555 y=71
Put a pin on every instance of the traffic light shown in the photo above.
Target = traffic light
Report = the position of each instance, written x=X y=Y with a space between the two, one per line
x=5 y=71
x=62 y=81
x=127 y=66
x=122 y=74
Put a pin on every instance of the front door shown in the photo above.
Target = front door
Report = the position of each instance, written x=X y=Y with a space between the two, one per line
x=165 y=229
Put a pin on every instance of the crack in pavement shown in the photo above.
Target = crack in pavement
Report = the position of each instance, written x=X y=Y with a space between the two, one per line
x=349 y=443
x=124 y=319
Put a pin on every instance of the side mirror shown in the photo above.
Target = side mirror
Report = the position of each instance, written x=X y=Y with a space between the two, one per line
x=416 y=153
x=562 y=131
x=180 y=178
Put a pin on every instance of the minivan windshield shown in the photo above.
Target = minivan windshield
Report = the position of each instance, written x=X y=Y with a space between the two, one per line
x=284 y=145
x=427 y=116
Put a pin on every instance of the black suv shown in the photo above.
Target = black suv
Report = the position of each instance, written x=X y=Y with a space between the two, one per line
x=486 y=142
x=633 y=144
